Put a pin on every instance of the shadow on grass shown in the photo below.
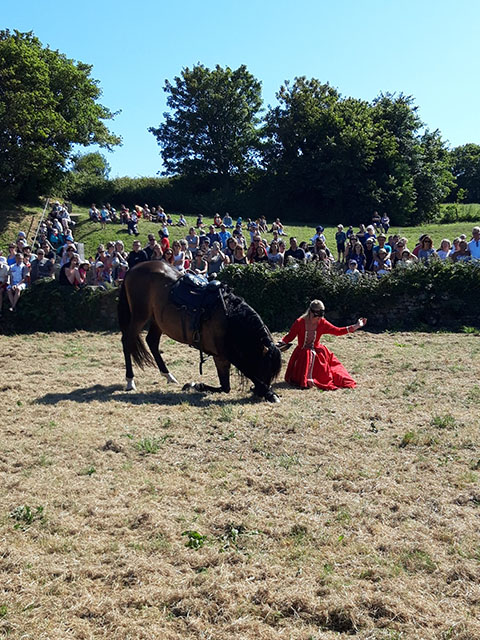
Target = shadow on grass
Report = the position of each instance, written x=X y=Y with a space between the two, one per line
x=116 y=393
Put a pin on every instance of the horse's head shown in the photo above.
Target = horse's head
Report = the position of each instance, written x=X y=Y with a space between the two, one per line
x=251 y=348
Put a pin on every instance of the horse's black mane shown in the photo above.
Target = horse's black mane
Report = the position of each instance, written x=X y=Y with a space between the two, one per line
x=248 y=338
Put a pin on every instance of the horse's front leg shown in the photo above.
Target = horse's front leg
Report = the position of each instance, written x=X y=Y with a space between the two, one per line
x=223 y=370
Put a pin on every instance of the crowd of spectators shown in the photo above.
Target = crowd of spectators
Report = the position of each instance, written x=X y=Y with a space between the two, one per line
x=207 y=248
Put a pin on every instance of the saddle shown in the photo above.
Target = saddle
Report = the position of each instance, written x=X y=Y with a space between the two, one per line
x=197 y=297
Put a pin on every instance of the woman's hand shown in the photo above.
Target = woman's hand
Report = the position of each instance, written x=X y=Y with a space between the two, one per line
x=283 y=346
x=361 y=322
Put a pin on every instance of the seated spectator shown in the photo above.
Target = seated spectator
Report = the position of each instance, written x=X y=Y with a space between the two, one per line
x=382 y=244
x=224 y=236
x=445 y=249
x=418 y=246
x=369 y=255
x=67 y=255
x=361 y=234
x=370 y=234
x=278 y=226
x=230 y=248
x=352 y=272
x=350 y=247
x=12 y=252
x=407 y=259
x=112 y=213
x=69 y=274
x=463 y=254
x=474 y=244
x=321 y=246
x=376 y=220
x=259 y=255
x=101 y=255
x=86 y=273
x=213 y=236
x=275 y=258
x=215 y=260
x=136 y=255
x=199 y=265
x=239 y=237
x=193 y=241
x=186 y=252
x=132 y=224
x=168 y=256
x=262 y=224
x=217 y=220
x=239 y=256
x=381 y=263
x=227 y=221
x=359 y=257
x=169 y=220
x=398 y=251
x=308 y=253
x=282 y=247
x=426 y=251
x=294 y=252
x=94 y=213
x=199 y=223
x=323 y=260
x=164 y=238
x=350 y=232
x=385 y=222
x=161 y=216
x=178 y=257
x=252 y=249
x=181 y=221
x=42 y=267
x=4 y=269
x=150 y=245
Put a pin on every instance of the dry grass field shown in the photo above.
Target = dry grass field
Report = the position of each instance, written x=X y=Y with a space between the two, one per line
x=159 y=514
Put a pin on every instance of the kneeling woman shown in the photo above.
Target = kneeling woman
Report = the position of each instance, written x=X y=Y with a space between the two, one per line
x=311 y=363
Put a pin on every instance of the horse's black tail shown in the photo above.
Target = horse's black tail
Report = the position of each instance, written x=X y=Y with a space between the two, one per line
x=131 y=339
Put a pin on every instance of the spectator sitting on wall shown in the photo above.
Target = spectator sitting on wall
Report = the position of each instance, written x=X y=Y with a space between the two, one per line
x=42 y=267
x=294 y=252
x=136 y=255
x=17 y=281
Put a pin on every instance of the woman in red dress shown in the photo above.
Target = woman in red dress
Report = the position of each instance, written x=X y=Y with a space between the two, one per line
x=311 y=363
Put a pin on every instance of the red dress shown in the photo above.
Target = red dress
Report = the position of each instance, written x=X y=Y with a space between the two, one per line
x=312 y=364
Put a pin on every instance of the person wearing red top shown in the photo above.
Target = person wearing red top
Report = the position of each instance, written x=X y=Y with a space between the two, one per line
x=311 y=363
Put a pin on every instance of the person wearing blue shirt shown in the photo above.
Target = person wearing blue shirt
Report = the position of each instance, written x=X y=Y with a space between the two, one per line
x=224 y=236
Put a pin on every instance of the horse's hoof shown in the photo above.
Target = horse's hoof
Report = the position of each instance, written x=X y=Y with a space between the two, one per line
x=130 y=385
x=170 y=378
x=272 y=397
x=189 y=386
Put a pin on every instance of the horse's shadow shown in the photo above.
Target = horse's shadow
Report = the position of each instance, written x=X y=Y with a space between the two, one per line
x=117 y=393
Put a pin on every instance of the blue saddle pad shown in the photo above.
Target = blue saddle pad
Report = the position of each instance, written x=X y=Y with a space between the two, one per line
x=195 y=292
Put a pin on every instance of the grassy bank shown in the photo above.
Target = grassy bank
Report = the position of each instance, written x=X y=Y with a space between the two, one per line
x=92 y=235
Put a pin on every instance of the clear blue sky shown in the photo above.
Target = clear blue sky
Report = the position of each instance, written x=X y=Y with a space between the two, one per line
x=424 y=48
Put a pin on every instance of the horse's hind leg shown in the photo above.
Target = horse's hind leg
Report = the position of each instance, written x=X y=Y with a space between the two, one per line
x=128 y=364
x=153 y=340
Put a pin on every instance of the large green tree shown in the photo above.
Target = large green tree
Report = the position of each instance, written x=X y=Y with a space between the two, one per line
x=343 y=158
x=48 y=104
x=211 y=127
x=465 y=163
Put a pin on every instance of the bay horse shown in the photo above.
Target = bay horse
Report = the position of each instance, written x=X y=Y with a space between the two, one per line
x=233 y=333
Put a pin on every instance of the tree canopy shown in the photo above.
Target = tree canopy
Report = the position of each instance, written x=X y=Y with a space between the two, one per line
x=48 y=103
x=212 y=125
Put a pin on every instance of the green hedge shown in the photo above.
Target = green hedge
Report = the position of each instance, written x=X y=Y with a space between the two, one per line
x=440 y=295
